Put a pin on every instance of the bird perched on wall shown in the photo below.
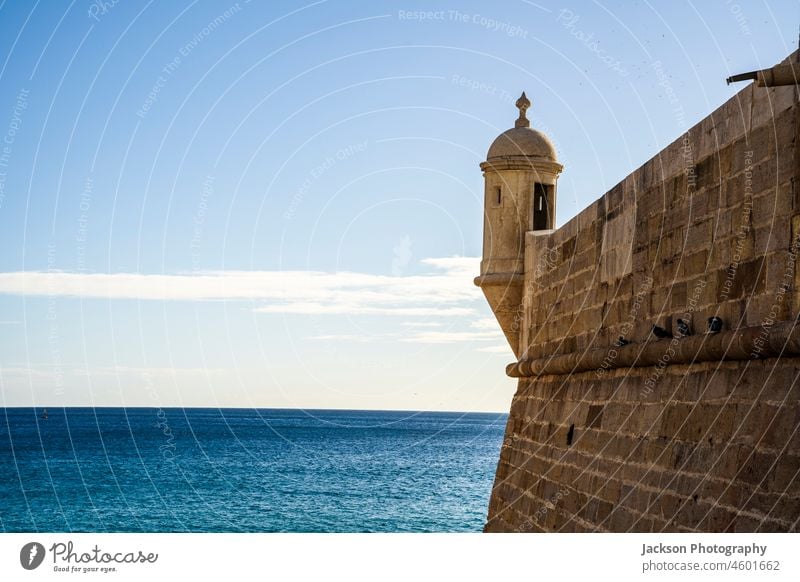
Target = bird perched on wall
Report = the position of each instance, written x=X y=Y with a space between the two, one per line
x=714 y=324
x=660 y=332
x=684 y=329
x=621 y=342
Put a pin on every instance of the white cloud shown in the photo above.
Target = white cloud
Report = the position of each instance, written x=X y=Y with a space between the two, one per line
x=486 y=323
x=144 y=372
x=343 y=338
x=43 y=373
x=353 y=309
x=51 y=372
x=449 y=337
x=446 y=292
x=465 y=265
x=503 y=349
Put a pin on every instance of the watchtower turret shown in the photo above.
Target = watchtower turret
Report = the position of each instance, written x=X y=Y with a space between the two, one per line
x=520 y=175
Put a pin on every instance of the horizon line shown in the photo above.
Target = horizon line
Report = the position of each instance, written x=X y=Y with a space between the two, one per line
x=262 y=408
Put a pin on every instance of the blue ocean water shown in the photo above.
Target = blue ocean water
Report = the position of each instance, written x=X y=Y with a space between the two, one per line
x=245 y=470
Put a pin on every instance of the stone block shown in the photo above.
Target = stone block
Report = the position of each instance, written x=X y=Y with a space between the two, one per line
x=694 y=264
x=772 y=237
x=769 y=102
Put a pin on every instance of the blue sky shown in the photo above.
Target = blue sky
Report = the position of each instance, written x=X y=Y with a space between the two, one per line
x=278 y=204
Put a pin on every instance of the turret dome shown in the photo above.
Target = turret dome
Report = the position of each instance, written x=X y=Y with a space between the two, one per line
x=522 y=140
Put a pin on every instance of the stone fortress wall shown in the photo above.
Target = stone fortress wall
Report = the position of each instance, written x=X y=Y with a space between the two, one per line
x=694 y=433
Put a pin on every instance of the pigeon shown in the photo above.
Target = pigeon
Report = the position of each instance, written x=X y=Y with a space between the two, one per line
x=714 y=324
x=684 y=330
x=660 y=332
x=621 y=342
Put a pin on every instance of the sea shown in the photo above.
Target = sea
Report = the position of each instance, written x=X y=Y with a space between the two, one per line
x=245 y=470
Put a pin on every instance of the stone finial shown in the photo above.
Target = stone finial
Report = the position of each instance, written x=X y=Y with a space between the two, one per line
x=522 y=104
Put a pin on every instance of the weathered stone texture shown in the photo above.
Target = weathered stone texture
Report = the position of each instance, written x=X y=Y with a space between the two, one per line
x=710 y=226
x=712 y=447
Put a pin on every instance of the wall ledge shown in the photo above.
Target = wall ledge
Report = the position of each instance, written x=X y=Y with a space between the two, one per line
x=747 y=343
x=496 y=279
